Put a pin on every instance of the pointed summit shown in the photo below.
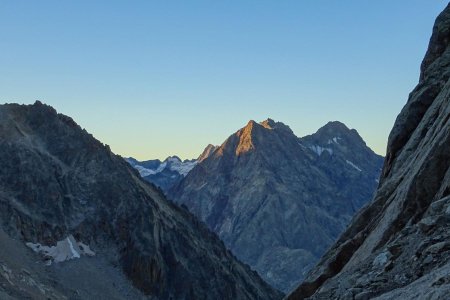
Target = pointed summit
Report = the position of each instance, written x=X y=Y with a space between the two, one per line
x=334 y=132
x=255 y=135
x=207 y=152
x=269 y=123
x=173 y=159
x=336 y=128
x=245 y=142
x=335 y=125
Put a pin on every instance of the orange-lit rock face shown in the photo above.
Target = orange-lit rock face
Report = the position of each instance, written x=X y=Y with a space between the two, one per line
x=245 y=138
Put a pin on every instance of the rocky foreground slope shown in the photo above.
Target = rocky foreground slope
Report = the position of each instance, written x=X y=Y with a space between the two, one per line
x=105 y=233
x=398 y=247
x=277 y=201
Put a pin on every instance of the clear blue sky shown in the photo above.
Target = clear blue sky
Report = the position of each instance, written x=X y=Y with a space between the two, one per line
x=156 y=78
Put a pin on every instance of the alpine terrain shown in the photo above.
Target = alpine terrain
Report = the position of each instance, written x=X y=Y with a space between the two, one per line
x=163 y=174
x=77 y=222
x=279 y=201
x=398 y=247
x=172 y=170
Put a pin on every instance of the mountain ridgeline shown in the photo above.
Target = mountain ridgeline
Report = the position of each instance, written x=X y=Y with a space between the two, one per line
x=60 y=186
x=398 y=246
x=166 y=174
x=163 y=174
x=279 y=201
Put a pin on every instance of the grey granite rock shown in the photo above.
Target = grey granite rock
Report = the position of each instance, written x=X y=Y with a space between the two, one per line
x=408 y=213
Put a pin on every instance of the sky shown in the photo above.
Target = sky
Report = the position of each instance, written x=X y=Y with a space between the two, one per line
x=159 y=78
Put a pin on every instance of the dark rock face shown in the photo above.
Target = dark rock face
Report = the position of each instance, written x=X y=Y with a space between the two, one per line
x=278 y=201
x=164 y=174
x=398 y=246
x=56 y=180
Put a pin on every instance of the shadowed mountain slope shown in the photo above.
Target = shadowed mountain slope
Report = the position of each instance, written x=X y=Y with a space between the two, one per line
x=57 y=183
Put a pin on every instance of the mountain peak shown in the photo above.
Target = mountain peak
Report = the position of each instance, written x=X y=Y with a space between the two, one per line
x=207 y=152
x=336 y=125
x=335 y=130
x=254 y=132
x=173 y=158
x=268 y=123
x=271 y=124
x=245 y=143
x=251 y=123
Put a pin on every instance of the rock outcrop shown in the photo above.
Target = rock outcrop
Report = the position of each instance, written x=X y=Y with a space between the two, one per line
x=58 y=182
x=277 y=201
x=398 y=246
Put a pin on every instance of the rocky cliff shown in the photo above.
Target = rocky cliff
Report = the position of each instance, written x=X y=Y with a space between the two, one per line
x=92 y=217
x=277 y=201
x=398 y=247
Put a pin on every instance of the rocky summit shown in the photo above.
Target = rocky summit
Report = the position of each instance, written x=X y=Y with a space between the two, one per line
x=77 y=222
x=398 y=247
x=279 y=201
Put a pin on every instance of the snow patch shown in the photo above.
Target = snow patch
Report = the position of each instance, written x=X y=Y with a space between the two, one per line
x=85 y=249
x=334 y=140
x=381 y=259
x=74 y=252
x=161 y=167
x=353 y=165
x=183 y=167
x=172 y=163
x=64 y=250
x=319 y=150
x=144 y=171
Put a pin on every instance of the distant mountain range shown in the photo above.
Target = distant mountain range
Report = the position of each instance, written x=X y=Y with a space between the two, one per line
x=276 y=200
x=164 y=174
